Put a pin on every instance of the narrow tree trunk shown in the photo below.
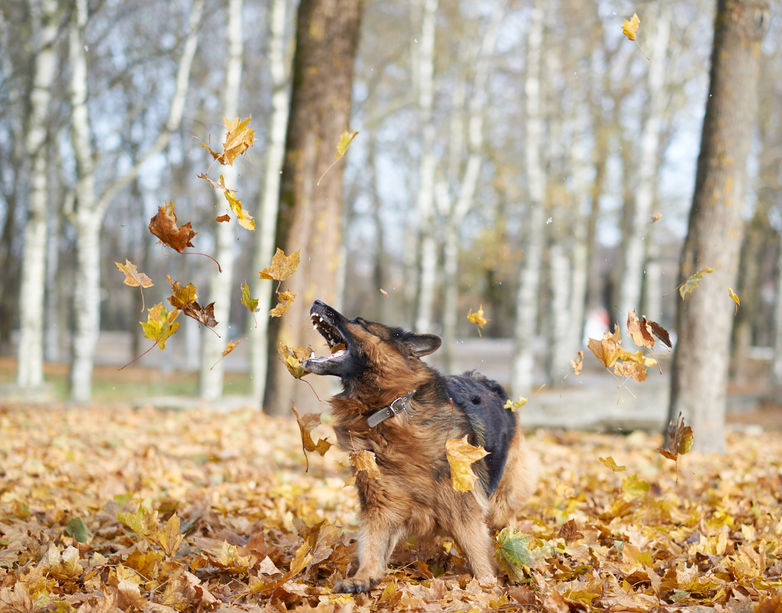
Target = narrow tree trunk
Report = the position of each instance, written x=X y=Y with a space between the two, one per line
x=559 y=322
x=31 y=292
x=310 y=215
x=634 y=238
x=700 y=363
x=221 y=282
x=269 y=203
x=776 y=366
x=425 y=205
x=52 y=303
x=533 y=231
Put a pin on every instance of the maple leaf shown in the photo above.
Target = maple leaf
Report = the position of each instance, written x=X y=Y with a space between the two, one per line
x=513 y=553
x=251 y=304
x=578 y=363
x=285 y=300
x=238 y=138
x=164 y=226
x=282 y=266
x=230 y=346
x=134 y=278
x=364 y=460
x=461 y=456
x=513 y=406
x=294 y=358
x=608 y=349
x=569 y=531
x=143 y=522
x=630 y=26
x=169 y=537
x=639 y=330
x=342 y=147
x=223 y=218
x=609 y=461
x=184 y=299
x=686 y=288
x=477 y=318
x=680 y=439
x=160 y=324
x=307 y=422
x=242 y=217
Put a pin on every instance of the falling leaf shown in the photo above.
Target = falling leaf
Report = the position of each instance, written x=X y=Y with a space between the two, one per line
x=461 y=456
x=625 y=363
x=513 y=406
x=294 y=358
x=164 y=226
x=512 y=554
x=630 y=27
x=661 y=333
x=732 y=294
x=282 y=266
x=160 y=324
x=639 y=330
x=230 y=346
x=285 y=300
x=686 y=288
x=477 y=318
x=184 y=299
x=608 y=349
x=578 y=363
x=307 y=422
x=242 y=217
x=134 y=278
x=342 y=146
x=223 y=218
x=364 y=460
x=251 y=304
x=238 y=138
x=680 y=439
x=635 y=487
x=656 y=218
x=609 y=461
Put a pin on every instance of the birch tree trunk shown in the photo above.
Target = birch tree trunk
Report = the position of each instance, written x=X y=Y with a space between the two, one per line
x=31 y=292
x=310 y=214
x=776 y=365
x=534 y=230
x=425 y=205
x=634 y=238
x=704 y=319
x=90 y=210
x=220 y=284
x=270 y=199
x=559 y=316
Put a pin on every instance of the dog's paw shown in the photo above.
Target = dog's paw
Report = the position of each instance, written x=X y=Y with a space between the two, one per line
x=354 y=585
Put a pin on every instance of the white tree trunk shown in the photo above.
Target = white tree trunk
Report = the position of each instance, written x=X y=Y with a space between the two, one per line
x=533 y=232
x=220 y=285
x=560 y=320
x=52 y=304
x=776 y=368
x=90 y=211
x=270 y=197
x=424 y=64
x=31 y=293
x=633 y=242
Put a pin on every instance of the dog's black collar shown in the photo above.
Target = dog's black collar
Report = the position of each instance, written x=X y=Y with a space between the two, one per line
x=402 y=403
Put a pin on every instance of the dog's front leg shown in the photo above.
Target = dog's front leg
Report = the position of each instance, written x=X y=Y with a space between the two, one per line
x=376 y=541
x=472 y=536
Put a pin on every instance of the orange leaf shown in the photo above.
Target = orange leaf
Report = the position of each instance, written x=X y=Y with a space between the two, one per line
x=223 y=218
x=630 y=26
x=164 y=226
x=639 y=331
x=285 y=300
x=238 y=138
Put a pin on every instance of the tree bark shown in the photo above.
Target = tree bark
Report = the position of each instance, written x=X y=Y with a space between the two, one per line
x=776 y=365
x=270 y=198
x=220 y=284
x=634 y=238
x=700 y=363
x=31 y=293
x=310 y=214
x=534 y=230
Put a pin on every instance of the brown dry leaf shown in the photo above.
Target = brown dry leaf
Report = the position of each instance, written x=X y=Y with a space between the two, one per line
x=640 y=330
x=285 y=300
x=660 y=333
x=133 y=277
x=282 y=266
x=364 y=460
x=630 y=26
x=184 y=299
x=223 y=218
x=307 y=422
x=569 y=531
x=238 y=138
x=680 y=439
x=294 y=358
x=164 y=226
x=578 y=363
x=608 y=349
x=461 y=456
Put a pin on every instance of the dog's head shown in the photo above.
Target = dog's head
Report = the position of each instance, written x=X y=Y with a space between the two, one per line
x=365 y=351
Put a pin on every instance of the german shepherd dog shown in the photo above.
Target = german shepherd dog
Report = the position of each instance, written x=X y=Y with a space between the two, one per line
x=396 y=406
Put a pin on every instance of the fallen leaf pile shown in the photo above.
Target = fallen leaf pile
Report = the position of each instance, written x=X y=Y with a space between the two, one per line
x=145 y=510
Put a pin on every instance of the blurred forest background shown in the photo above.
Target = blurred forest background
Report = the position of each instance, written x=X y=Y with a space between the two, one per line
x=510 y=154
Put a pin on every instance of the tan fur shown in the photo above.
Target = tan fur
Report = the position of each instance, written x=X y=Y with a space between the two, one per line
x=414 y=493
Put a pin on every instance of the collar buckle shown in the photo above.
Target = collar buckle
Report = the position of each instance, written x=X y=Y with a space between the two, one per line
x=397 y=406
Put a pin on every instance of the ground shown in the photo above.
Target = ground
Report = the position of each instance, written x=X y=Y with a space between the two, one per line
x=142 y=509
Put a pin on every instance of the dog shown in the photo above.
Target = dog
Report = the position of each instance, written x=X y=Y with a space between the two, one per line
x=395 y=405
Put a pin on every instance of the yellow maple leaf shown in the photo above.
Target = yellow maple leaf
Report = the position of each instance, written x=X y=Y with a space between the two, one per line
x=230 y=346
x=285 y=300
x=344 y=142
x=169 y=537
x=609 y=461
x=513 y=406
x=608 y=349
x=243 y=218
x=461 y=455
x=294 y=358
x=282 y=266
x=364 y=460
x=238 y=138
x=630 y=26
x=160 y=324
x=478 y=318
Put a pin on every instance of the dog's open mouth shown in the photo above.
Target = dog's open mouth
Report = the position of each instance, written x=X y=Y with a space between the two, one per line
x=337 y=344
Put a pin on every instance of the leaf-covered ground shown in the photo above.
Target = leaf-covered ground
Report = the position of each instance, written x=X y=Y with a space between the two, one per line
x=109 y=508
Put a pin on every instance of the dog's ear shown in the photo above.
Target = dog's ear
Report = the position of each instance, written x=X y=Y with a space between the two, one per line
x=422 y=344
